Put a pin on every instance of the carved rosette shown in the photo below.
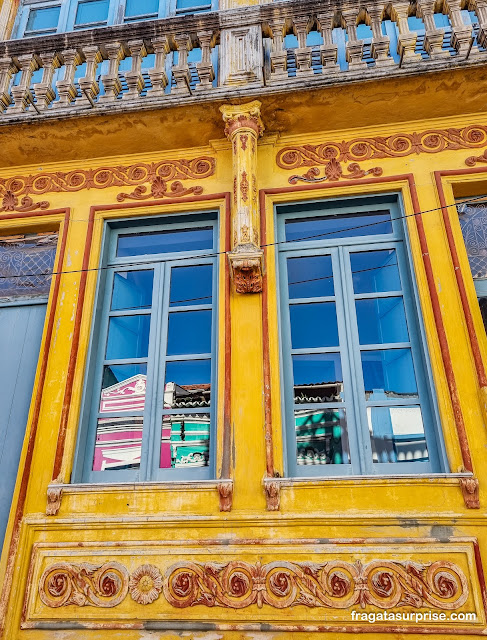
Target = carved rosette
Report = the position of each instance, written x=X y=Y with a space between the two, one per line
x=145 y=584
x=84 y=584
x=336 y=584
x=243 y=126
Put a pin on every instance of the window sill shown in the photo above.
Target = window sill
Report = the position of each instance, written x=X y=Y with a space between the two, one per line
x=55 y=492
x=467 y=482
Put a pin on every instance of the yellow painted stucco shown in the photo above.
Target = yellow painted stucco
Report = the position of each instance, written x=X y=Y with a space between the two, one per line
x=432 y=508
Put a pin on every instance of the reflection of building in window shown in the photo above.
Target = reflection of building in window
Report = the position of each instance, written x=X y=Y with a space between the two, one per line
x=185 y=437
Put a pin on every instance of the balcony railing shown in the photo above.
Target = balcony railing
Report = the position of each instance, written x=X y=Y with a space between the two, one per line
x=267 y=48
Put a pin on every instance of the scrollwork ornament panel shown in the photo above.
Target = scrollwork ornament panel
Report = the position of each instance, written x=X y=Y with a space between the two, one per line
x=336 y=585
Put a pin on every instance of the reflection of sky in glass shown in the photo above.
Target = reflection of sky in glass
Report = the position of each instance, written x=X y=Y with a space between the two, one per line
x=93 y=11
x=43 y=19
x=128 y=337
x=375 y=271
x=132 y=289
x=191 y=285
x=139 y=244
x=316 y=368
x=310 y=277
x=381 y=320
x=339 y=226
x=141 y=7
x=188 y=372
x=390 y=371
x=189 y=332
x=313 y=325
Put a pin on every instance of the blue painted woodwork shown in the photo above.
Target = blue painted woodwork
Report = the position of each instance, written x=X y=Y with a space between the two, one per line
x=20 y=338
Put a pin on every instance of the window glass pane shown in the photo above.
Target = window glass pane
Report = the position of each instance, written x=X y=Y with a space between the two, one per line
x=313 y=325
x=339 y=226
x=191 y=285
x=187 y=384
x=375 y=271
x=123 y=388
x=185 y=441
x=188 y=4
x=26 y=264
x=128 y=337
x=132 y=289
x=388 y=374
x=189 y=333
x=93 y=11
x=321 y=437
x=118 y=443
x=310 y=277
x=317 y=378
x=43 y=19
x=139 y=244
x=135 y=8
x=381 y=320
x=397 y=434
x=473 y=221
x=483 y=310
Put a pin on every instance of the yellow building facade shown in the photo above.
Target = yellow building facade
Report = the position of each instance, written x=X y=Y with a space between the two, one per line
x=260 y=539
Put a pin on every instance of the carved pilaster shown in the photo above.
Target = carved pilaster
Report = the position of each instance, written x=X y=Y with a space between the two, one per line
x=243 y=126
x=225 y=492
x=241 y=51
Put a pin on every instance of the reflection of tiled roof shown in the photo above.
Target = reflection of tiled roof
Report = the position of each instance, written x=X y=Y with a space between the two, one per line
x=195 y=387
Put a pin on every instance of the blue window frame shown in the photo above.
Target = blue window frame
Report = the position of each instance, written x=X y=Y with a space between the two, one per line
x=358 y=397
x=150 y=392
x=43 y=17
x=473 y=222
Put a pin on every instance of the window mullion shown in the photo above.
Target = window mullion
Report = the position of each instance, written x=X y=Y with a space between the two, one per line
x=153 y=375
x=352 y=357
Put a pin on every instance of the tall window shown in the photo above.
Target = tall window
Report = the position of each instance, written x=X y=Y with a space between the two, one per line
x=358 y=397
x=43 y=17
x=152 y=377
x=473 y=221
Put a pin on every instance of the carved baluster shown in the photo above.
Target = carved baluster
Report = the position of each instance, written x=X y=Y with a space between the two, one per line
x=354 y=47
x=89 y=86
x=406 y=41
x=380 y=43
x=278 y=53
x=157 y=74
x=21 y=93
x=111 y=81
x=44 y=91
x=461 y=33
x=7 y=70
x=206 y=73
x=66 y=87
x=480 y=8
x=329 y=50
x=243 y=127
x=433 y=37
x=134 y=77
x=181 y=70
x=302 y=54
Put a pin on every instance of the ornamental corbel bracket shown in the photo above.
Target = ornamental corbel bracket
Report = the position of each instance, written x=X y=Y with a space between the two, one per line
x=54 y=496
x=225 y=492
x=470 y=491
x=246 y=267
x=272 y=490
